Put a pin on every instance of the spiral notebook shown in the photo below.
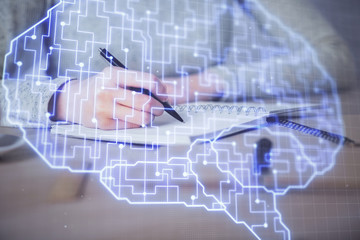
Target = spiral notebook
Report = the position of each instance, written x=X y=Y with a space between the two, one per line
x=203 y=121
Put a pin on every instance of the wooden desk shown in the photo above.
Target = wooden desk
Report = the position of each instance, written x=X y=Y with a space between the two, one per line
x=328 y=209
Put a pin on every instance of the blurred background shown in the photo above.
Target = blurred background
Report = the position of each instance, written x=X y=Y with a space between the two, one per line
x=345 y=17
x=37 y=202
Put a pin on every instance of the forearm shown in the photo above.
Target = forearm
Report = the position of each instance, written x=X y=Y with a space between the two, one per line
x=311 y=57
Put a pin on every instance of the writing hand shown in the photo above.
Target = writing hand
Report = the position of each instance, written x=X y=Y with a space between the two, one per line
x=103 y=101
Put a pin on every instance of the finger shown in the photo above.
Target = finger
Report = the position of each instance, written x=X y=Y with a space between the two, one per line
x=144 y=103
x=131 y=99
x=124 y=125
x=127 y=78
x=106 y=107
x=132 y=116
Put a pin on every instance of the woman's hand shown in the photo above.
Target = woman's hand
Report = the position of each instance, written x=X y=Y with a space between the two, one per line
x=103 y=101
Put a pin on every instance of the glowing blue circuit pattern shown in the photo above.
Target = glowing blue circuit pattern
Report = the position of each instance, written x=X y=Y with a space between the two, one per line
x=257 y=55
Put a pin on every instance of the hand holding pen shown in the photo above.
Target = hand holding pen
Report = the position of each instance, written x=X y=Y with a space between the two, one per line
x=111 y=99
x=115 y=62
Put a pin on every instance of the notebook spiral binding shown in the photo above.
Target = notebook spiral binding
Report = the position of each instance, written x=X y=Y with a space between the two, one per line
x=332 y=137
x=221 y=108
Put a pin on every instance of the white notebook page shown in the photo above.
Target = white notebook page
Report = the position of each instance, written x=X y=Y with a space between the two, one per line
x=202 y=119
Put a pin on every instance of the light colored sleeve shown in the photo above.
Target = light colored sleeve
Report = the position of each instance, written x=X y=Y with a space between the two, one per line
x=24 y=100
x=285 y=47
x=26 y=103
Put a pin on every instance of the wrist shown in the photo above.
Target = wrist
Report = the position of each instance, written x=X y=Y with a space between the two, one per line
x=58 y=103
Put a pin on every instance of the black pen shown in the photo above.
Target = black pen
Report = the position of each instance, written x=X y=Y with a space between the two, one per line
x=113 y=61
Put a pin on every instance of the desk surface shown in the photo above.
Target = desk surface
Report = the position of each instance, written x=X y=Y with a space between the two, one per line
x=41 y=203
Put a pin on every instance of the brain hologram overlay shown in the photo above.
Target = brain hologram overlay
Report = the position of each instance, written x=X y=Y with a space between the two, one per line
x=258 y=55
